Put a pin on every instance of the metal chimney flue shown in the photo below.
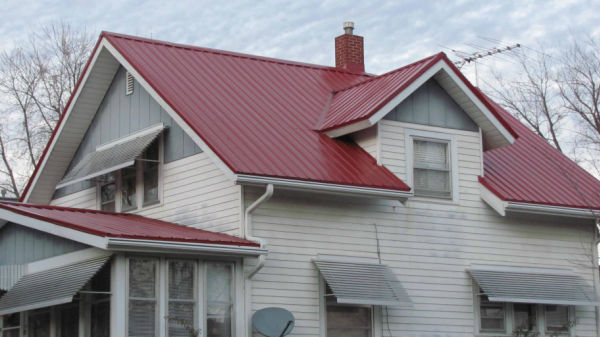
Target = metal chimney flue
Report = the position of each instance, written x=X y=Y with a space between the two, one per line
x=348 y=27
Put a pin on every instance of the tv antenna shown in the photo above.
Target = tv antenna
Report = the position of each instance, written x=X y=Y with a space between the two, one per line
x=466 y=58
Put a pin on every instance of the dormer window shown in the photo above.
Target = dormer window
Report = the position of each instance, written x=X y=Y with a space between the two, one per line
x=431 y=169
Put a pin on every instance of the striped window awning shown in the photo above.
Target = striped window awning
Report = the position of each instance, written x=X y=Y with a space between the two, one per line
x=362 y=282
x=111 y=157
x=533 y=285
x=50 y=287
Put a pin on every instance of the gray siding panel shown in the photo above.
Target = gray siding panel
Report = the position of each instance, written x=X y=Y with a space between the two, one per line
x=120 y=115
x=19 y=245
x=431 y=105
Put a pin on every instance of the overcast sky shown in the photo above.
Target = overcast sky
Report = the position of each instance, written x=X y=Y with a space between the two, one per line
x=396 y=32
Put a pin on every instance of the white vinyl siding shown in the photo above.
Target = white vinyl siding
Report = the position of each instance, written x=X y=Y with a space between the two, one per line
x=196 y=193
x=428 y=244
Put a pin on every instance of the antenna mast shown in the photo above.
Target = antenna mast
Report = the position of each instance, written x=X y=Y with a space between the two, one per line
x=473 y=57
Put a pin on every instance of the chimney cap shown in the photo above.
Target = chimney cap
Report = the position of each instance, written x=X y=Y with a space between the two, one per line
x=348 y=27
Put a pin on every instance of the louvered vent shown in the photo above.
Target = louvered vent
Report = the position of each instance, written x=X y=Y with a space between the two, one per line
x=129 y=87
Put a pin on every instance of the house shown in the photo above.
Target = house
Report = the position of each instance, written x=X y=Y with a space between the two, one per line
x=185 y=188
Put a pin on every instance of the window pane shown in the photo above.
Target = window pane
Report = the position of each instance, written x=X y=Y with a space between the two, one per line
x=557 y=318
x=181 y=319
x=142 y=274
x=219 y=284
x=68 y=325
x=128 y=189
x=39 y=323
x=142 y=318
x=11 y=333
x=9 y=321
x=432 y=183
x=431 y=155
x=150 y=167
x=345 y=321
x=525 y=319
x=492 y=315
x=181 y=280
x=100 y=325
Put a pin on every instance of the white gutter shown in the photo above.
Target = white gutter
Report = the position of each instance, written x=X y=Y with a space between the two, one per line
x=291 y=184
x=247 y=228
x=518 y=207
x=152 y=246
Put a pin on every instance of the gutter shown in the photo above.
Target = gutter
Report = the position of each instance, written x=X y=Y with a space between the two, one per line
x=151 y=246
x=519 y=207
x=291 y=184
x=247 y=226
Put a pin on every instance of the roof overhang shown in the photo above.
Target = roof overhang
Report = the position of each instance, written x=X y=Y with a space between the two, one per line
x=125 y=244
x=495 y=133
x=347 y=190
x=507 y=208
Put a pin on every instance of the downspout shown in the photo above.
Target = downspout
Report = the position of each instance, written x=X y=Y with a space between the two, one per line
x=596 y=271
x=247 y=226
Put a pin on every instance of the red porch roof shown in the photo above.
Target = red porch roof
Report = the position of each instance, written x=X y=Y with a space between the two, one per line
x=122 y=225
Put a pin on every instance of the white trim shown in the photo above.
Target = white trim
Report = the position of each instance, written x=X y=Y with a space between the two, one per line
x=290 y=184
x=152 y=246
x=66 y=116
x=509 y=207
x=174 y=115
x=452 y=140
x=66 y=259
x=50 y=228
x=119 y=298
x=433 y=70
x=379 y=145
x=137 y=134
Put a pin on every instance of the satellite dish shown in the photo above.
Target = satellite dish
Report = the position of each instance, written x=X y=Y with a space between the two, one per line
x=273 y=322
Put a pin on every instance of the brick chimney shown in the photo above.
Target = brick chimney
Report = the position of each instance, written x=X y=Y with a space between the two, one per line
x=349 y=52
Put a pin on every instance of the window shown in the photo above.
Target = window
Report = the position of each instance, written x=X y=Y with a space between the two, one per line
x=497 y=318
x=177 y=286
x=557 y=318
x=39 y=323
x=10 y=325
x=431 y=168
x=133 y=187
x=142 y=297
x=347 y=320
x=67 y=320
x=219 y=301
x=492 y=315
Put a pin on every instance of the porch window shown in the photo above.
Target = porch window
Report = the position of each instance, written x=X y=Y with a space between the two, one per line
x=10 y=325
x=347 y=319
x=142 y=297
x=492 y=315
x=557 y=318
x=188 y=290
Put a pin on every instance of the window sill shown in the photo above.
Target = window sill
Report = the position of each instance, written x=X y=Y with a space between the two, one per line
x=431 y=200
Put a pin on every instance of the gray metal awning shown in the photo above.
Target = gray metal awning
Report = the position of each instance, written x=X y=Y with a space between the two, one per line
x=533 y=285
x=50 y=287
x=111 y=157
x=360 y=282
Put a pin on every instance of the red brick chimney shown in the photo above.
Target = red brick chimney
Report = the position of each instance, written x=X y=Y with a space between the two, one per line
x=349 y=52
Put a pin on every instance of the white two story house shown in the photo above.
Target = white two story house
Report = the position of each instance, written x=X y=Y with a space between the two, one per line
x=185 y=188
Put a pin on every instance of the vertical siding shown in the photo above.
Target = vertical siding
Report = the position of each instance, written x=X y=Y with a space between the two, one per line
x=196 y=193
x=431 y=105
x=120 y=115
x=428 y=245
x=19 y=245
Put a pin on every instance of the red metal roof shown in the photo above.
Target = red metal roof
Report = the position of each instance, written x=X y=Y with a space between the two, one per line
x=362 y=100
x=257 y=114
x=122 y=225
x=532 y=171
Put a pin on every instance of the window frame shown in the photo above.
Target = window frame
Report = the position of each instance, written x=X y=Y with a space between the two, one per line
x=139 y=190
x=376 y=312
x=540 y=312
x=439 y=137
x=19 y=327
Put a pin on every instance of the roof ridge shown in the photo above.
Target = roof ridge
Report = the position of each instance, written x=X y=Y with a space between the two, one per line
x=370 y=79
x=232 y=53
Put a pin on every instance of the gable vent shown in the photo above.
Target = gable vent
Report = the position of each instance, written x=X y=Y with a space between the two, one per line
x=129 y=84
